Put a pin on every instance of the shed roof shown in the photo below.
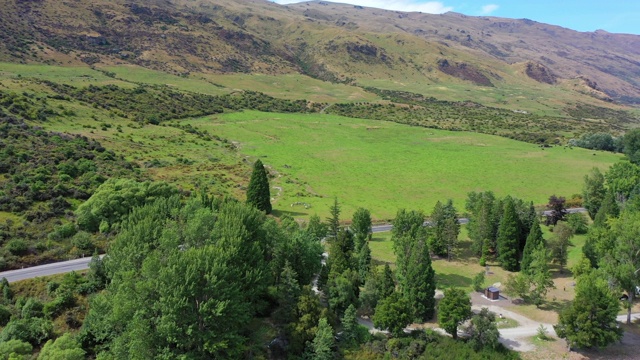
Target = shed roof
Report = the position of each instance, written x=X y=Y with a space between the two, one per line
x=493 y=289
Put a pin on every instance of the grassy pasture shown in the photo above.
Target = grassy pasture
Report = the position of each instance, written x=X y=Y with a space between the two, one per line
x=71 y=75
x=384 y=166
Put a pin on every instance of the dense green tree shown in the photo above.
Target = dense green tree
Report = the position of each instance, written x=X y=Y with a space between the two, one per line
x=482 y=225
x=333 y=222
x=63 y=348
x=364 y=261
x=631 y=143
x=350 y=326
x=343 y=291
x=316 y=228
x=288 y=293
x=453 y=310
x=409 y=224
x=196 y=286
x=590 y=320
x=559 y=244
x=388 y=284
x=393 y=313
x=407 y=230
x=608 y=209
x=622 y=260
x=258 y=193
x=534 y=238
x=483 y=331
x=539 y=275
x=361 y=227
x=621 y=179
x=419 y=285
x=507 y=240
x=444 y=229
x=593 y=192
x=578 y=223
x=308 y=314
x=322 y=346
x=518 y=285
x=115 y=198
x=32 y=308
x=15 y=347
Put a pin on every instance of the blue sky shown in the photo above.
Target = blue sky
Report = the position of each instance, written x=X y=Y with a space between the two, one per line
x=618 y=16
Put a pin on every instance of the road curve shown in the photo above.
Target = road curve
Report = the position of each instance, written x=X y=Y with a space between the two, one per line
x=46 y=270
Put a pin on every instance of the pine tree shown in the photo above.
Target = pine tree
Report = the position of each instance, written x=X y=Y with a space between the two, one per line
x=334 y=221
x=364 y=261
x=350 y=326
x=258 y=194
x=323 y=342
x=609 y=208
x=288 y=292
x=388 y=286
x=419 y=286
x=534 y=238
x=507 y=241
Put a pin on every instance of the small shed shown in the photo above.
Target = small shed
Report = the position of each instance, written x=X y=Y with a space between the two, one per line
x=492 y=293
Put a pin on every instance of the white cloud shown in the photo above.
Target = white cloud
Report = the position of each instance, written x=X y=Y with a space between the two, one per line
x=488 y=9
x=431 y=7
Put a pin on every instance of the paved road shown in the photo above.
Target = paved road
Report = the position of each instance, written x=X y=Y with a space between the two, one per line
x=46 y=270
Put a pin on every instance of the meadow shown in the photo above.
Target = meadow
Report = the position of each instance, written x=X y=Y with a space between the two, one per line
x=384 y=166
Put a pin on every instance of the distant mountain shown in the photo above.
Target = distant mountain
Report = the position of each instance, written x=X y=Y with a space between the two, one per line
x=329 y=41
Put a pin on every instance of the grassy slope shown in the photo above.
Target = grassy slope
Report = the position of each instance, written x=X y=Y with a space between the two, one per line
x=385 y=166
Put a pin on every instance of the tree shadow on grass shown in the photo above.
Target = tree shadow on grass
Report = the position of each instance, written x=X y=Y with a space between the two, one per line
x=556 y=305
x=452 y=280
x=279 y=213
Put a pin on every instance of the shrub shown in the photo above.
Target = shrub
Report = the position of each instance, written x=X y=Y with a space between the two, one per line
x=17 y=347
x=478 y=281
x=32 y=309
x=34 y=331
x=17 y=247
x=578 y=223
x=82 y=241
x=5 y=316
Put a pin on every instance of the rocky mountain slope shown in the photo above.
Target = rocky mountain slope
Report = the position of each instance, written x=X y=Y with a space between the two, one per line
x=334 y=42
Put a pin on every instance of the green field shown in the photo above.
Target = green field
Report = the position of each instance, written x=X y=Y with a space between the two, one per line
x=384 y=166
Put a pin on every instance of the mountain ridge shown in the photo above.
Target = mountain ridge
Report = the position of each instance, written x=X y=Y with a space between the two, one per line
x=328 y=41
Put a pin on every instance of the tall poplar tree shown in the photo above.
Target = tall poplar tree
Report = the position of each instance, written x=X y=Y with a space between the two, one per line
x=258 y=194
x=507 y=241
x=419 y=285
x=534 y=238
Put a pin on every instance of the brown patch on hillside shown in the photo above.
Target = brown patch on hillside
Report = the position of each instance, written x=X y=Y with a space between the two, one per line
x=540 y=73
x=464 y=71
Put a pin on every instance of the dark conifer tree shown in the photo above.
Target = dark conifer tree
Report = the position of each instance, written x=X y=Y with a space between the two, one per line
x=258 y=194
x=534 y=238
x=507 y=241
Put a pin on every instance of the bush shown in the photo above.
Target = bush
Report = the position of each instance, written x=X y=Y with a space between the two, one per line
x=14 y=347
x=5 y=316
x=83 y=241
x=62 y=302
x=578 y=223
x=63 y=232
x=32 y=309
x=34 y=331
x=17 y=247
x=478 y=281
